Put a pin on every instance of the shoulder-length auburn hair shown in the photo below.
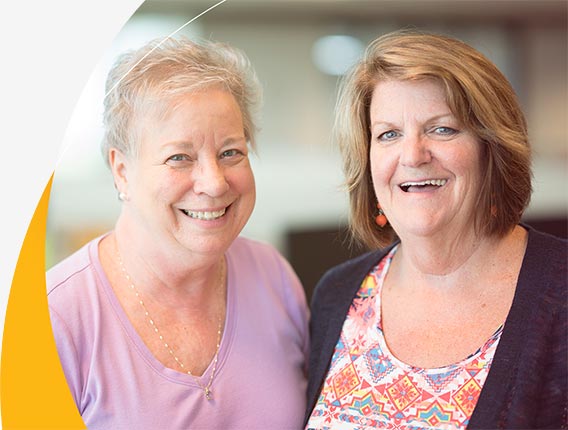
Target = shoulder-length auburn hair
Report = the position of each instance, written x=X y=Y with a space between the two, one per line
x=478 y=95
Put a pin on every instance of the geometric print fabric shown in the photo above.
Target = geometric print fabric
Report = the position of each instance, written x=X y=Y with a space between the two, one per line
x=367 y=387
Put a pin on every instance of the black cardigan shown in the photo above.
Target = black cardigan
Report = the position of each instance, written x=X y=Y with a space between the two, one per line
x=527 y=385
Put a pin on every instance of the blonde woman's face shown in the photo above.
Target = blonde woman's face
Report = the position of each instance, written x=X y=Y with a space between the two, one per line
x=191 y=184
x=425 y=167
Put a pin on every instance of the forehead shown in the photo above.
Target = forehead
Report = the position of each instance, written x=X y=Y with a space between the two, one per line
x=392 y=96
x=205 y=116
x=161 y=105
x=197 y=110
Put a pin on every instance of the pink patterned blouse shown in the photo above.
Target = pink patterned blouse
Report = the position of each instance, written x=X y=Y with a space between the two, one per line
x=367 y=387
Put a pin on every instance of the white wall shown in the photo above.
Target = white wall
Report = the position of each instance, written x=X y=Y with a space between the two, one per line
x=298 y=171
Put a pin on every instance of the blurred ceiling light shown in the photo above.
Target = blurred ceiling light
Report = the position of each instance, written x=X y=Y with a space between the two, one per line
x=335 y=54
x=80 y=152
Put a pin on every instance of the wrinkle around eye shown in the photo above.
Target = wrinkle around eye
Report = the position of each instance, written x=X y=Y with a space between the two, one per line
x=234 y=160
x=229 y=153
x=177 y=160
x=388 y=136
x=447 y=131
x=444 y=133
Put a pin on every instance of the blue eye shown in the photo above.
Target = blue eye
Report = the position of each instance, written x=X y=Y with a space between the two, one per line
x=388 y=135
x=178 y=160
x=445 y=131
x=230 y=153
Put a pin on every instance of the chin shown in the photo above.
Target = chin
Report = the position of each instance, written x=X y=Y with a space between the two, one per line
x=423 y=229
x=215 y=250
x=197 y=243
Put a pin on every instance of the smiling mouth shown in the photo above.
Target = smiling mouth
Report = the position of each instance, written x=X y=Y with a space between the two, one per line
x=422 y=185
x=205 y=215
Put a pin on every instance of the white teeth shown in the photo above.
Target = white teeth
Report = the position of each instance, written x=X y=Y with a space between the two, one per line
x=205 y=215
x=438 y=182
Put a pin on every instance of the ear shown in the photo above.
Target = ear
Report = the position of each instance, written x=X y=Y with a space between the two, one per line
x=119 y=168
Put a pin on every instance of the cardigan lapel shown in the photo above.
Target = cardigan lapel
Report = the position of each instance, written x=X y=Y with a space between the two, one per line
x=491 y=408
x=331 y=304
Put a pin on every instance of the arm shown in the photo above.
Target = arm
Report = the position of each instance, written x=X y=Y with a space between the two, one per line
x=68 y=356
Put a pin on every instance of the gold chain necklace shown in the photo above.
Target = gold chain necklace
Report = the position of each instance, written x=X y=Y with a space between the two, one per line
x=206 y=388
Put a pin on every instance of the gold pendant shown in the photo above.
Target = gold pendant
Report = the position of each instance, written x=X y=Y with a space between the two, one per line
x=208 y=395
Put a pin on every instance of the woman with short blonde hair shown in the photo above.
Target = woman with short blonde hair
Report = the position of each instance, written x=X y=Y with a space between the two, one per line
x=172 y=320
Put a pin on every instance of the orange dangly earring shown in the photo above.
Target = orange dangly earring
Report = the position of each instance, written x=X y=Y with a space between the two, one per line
x=380 y=219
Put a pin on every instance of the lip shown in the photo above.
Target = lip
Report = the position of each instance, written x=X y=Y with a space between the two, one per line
x=422 y=185
x=206 y=214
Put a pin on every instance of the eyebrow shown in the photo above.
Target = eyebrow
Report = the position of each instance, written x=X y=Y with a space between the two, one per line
x=235 y=140
x=178 y=144
x=188 y=145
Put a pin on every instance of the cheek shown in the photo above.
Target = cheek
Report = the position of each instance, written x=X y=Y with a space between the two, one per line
x=380 y=167
x=253 y=188
x=243 y=185
x=242 y=180
x=172 y=184
x=467 y=155
x=467 y=164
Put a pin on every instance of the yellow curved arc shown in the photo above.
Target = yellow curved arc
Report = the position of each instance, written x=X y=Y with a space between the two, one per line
x=34 y=392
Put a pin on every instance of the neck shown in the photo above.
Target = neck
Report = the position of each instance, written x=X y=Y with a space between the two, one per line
x=441 y=255
x=168 y=276
x=454 y=262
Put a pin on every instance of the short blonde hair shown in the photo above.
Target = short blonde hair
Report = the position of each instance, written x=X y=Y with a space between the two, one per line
x=160 y=71
x=480 y=97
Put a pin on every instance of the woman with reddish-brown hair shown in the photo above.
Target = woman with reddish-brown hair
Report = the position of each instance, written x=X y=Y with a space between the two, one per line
x=457 y=319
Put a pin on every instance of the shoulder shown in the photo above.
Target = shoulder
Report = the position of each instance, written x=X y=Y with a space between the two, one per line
x=263 y=273
x=261 y=255
x=544 y=243
x=74 y=278
x=531 y=356
x=353 y=267
x=541 y=298
x=346 y=276
x=545 y=261
x=262 y=264
x=74 y=297
x=258 y=263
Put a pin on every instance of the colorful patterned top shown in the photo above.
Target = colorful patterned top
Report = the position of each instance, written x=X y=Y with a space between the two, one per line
x=367 y=387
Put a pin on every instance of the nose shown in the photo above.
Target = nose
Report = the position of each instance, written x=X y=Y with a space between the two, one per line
x=210 y=179
x=415 y=151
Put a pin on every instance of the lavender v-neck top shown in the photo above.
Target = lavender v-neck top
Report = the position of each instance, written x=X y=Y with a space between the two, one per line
x=117 y=383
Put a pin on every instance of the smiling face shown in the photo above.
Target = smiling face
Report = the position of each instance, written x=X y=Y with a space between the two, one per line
x=425 y=167
x=190 y=186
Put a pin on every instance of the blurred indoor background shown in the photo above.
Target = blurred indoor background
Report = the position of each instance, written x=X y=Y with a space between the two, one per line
x=299 y=49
